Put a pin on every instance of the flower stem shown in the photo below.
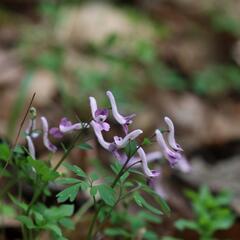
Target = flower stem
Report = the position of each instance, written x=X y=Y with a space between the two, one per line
x=121 y=172
x=94 y=220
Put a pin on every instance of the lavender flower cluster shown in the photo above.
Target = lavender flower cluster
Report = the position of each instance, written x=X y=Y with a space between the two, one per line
x=168 y=148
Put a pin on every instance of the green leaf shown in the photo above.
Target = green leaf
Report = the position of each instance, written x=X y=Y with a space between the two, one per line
x=19 y=150
x=18 y=203
x=114 y=232
x=84 y=185
x=163 y=204
x=224 y=198
x=77 y=170
x=150 y=217
x=116 y=167
x=149 y=235
x=69 y=193
x=68 y=181
x=85 y=146
x=39 y=219
x=93 y=190
x=124 y=176
x=54 y=228
x=103 y=212
x=107 y=194
x=4 y=151
x=223 y=222
x=142 y=203
x=67 y=223
x=65 y=210
x=146 y=141
x=7 y=210
x=191 y=195
x=27 y=221
x=131 y=148
x=138 y=199
x=43 y=170
x=94 y=176
x=54 y=214
x=182 y=224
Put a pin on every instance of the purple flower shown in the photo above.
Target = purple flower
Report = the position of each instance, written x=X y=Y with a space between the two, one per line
x=171 y=155
x=65 y=126
x=31 y=132
x=125 y=121
x=56 y=133
x=99 y=115
x=135 y=161
x=46 y=141
x=118 y=143
x=122 y=142
x=146 y=170
x=98 y=132
x=171 y=135
x=141 y=160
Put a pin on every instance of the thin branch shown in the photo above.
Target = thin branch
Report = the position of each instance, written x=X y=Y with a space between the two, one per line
x=23 y=121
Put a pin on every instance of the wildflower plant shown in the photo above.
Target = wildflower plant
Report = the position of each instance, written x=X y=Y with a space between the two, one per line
x=129 y=179
x=211 y=213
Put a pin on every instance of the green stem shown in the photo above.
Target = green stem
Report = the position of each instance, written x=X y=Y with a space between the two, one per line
x=94 y=220
x=121 y=172
x=110 y=211
x=24 y=233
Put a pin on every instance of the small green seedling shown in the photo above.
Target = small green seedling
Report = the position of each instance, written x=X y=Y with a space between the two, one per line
x=212 y=213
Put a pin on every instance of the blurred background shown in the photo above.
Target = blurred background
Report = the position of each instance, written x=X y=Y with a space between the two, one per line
x=176 y=58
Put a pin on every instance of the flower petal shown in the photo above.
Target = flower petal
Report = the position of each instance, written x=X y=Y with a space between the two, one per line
x=122 y=142
x=101 y=112
x=55 y=132
x=119 y=118
x=97 y=130
x=172 y=156
x=46 y=141
x=171 y=135
x=31 y=147
x=105 y=126
x=65 y=129
x=145 y=167
x=93 y=106
x=65 y=122
x=183 y=165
